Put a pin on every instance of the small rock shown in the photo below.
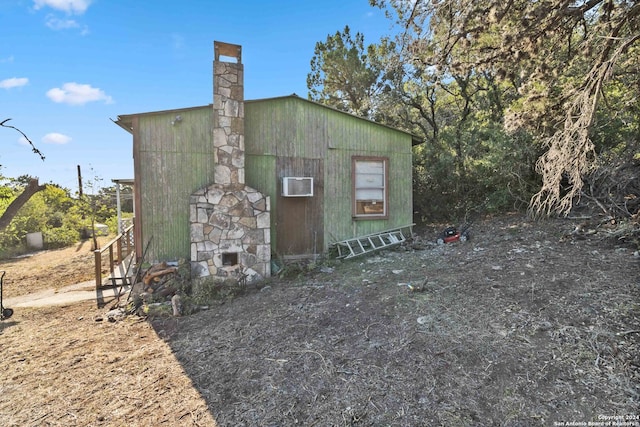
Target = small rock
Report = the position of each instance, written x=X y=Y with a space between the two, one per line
x=545 y=326
x=114 y=315
x=422 y=320
x=176 y=304
x=397 y=271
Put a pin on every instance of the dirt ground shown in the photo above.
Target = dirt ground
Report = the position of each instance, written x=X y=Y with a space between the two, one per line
x=527 y=324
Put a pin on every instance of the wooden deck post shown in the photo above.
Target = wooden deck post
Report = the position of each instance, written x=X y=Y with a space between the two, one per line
x=119 y=256
x=98 y=263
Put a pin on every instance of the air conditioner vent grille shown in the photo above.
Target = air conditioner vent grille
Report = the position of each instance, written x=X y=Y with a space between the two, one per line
x=297 y=186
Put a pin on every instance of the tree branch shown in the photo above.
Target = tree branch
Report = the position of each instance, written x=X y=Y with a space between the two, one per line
x=33 y=147
x=32 y=188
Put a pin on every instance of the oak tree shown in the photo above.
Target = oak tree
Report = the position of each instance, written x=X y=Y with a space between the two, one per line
x=558 y=58
x=345 y=74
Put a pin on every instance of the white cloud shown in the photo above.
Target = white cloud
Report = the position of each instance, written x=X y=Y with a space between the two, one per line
x=13 y=82
x=58 y=24
x=8 y=59
x=77 y=94
x=77 y=7
x=56 y=138
x=61 y=24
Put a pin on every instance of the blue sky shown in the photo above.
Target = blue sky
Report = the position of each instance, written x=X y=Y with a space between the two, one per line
x=69 y=66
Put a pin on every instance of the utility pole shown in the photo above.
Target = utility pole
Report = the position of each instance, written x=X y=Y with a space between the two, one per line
x=79 y=182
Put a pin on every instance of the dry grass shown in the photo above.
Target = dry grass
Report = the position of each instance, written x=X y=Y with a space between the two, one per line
x=523 y=326
x=65 y=369
x=62 y=367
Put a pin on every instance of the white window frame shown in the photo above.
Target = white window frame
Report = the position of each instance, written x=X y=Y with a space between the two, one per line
x=370 y=187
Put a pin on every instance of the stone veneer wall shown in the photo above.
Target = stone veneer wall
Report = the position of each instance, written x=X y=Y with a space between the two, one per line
x=231 y=220
x=228 y=123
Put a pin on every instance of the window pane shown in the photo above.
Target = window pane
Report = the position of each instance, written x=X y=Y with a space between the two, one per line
x=369 y=167
x=370 y=194
x=369 y=187
x=369 y=180
x=369 y=208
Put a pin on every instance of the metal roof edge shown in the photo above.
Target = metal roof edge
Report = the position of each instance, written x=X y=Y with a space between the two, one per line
x=124 y=120
x=415 y=139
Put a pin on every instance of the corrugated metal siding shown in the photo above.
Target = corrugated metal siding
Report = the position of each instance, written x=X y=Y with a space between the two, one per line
x=286 y=127
x=260 y=174
x=339 y=224
x=176 y=160
x=295 y=128
x=283 y=137
x=349 y=136
x=293 y=134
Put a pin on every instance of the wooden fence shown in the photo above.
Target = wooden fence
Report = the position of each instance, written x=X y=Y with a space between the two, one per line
x=114 y=254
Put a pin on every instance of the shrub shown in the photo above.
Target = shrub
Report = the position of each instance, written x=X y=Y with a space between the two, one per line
x=60 y=237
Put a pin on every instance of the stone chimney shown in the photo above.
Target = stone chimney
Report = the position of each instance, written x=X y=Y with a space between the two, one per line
x=230 y=221
x=228 y=114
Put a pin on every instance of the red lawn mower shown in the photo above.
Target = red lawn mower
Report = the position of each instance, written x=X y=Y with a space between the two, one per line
x=5 y=313
x=452 y=234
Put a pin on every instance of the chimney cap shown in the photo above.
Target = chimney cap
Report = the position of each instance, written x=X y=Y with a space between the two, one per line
x=227 y=49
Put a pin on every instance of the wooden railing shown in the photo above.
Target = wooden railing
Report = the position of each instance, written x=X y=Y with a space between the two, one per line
x=117 y=250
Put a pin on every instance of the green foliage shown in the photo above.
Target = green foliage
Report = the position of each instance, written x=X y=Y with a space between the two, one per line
x=209 y=290
x=616 y=127
x=469 y=162
x=346 y=75
x=512 y=100
x=112 y=222
x=477 y=168
x=6 y=196
x=52 y=211
x=60 y=237
x=32 y=217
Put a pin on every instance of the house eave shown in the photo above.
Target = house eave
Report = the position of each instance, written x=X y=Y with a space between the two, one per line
x=125 y=121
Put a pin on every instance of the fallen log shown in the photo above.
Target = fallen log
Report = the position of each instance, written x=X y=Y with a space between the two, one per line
x=155 y=276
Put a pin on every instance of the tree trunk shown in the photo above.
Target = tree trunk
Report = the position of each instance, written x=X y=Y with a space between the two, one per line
x=32 y=188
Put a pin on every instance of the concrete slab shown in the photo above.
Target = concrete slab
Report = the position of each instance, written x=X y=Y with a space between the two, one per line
x=84 y=291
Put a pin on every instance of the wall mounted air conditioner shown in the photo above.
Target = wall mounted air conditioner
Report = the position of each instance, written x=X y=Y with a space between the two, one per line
x=297 y=186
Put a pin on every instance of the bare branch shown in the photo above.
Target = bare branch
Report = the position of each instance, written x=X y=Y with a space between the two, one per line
x=33 y=147
x=571 y=152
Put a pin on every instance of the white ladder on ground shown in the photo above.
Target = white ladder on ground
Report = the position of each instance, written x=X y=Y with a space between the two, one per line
x=356 y=246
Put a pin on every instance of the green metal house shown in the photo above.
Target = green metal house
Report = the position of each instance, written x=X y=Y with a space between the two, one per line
x=232 y=185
